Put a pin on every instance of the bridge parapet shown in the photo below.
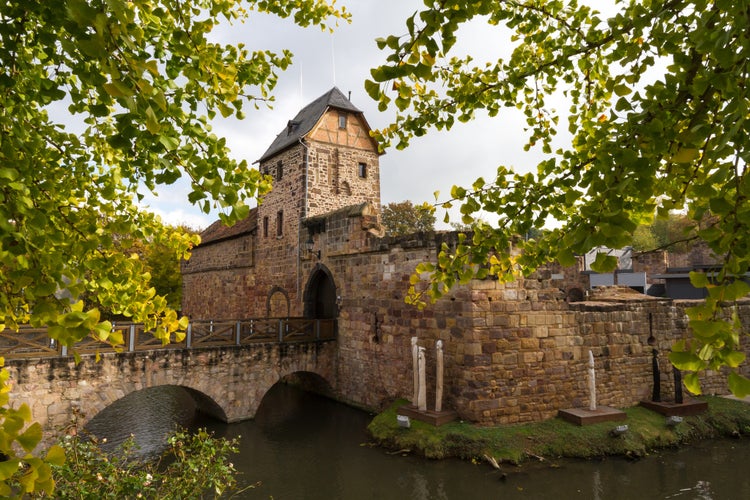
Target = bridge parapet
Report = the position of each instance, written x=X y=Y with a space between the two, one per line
x=30 y=342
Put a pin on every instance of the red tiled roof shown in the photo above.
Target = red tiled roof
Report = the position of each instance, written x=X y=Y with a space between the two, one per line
x=219 y=231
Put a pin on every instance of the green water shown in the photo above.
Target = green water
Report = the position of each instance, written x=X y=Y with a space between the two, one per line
x=302 y=446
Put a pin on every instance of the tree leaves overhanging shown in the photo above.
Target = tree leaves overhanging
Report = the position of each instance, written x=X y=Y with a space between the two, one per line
x=101 y=101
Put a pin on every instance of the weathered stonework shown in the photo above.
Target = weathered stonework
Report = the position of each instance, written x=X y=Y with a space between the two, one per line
x=249 y=270
x=229 y=382
x=514 y=352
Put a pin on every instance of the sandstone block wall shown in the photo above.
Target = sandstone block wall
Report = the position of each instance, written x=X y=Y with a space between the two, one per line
x=216 y=279
x=514 y=352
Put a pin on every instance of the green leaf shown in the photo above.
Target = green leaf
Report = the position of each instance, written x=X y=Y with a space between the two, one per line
x=31 y=437
x=686 y=155
x=8 y=468
x=738 y=385
x=152 y=123
x=734 y=359
x=604 y=263
x=55 y=455
x=692 y=383
x=117 y=88
x=699 y=279
x=688 y=361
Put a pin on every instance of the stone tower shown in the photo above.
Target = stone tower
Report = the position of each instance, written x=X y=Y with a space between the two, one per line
x=323 y=161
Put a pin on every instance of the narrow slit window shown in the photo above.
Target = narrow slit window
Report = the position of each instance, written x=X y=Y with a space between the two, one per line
x=265 y=227
x=280 y=223
x=362 y=170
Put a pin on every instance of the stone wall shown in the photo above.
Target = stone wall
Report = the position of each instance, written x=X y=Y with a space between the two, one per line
x=514 y=352
x=216 y=279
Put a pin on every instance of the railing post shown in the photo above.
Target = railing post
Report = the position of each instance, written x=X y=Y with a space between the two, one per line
x=189 y=336
x=131 y=338
x=281 y=330
x=63 y=350
x=317 y=329
x=238 y=333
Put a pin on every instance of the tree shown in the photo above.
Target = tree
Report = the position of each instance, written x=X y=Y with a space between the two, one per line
x=406 y=218
x=143 y=80
x=657 y=104
x=674 y=233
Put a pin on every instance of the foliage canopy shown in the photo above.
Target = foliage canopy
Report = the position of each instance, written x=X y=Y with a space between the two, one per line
x=656 y=105
x=141 y=79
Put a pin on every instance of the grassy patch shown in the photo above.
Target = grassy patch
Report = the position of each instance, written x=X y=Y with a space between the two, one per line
x=556 y=438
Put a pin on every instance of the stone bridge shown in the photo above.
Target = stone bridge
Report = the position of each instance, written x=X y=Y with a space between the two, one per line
x=227 y=382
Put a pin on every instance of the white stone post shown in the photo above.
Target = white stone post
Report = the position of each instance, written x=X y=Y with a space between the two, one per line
x=422 y=399
x=415 y=369
x=439 y=376
x=592 y=383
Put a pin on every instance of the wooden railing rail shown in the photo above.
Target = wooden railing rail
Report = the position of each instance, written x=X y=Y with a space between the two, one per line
x=30 y=342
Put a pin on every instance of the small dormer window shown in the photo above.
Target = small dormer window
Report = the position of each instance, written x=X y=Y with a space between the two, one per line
x=342 y=120
x=291 y=127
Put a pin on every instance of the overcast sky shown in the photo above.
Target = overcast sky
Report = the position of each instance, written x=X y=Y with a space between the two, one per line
x=343 y=59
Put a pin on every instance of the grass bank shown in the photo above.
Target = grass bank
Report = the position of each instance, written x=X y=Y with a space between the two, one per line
x=556 y=438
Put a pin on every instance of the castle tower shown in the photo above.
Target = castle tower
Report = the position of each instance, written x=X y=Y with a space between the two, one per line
x=322 y=161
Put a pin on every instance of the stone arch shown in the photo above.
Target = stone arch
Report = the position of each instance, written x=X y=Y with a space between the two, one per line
x=277 y=303
x=90 y=408
x=320 y=296
x=305 y=380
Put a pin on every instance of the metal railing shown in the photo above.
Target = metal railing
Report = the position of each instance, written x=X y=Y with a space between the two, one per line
x=30 y=342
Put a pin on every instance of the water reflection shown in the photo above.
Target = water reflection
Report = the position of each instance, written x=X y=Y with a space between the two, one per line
x=302 y=446
x=149 y=415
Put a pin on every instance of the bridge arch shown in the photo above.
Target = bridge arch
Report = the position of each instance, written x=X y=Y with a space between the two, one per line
x=149 y=413
x=227 y=382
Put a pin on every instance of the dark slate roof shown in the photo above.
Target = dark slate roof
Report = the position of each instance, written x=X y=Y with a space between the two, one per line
x=306 y=119
x=218 y=231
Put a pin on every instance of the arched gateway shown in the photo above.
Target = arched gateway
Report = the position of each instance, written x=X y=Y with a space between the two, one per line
x=320 y=295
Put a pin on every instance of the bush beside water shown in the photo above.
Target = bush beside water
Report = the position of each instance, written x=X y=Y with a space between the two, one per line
x=195 y=465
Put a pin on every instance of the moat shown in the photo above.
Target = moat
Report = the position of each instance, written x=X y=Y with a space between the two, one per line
x=303 y=446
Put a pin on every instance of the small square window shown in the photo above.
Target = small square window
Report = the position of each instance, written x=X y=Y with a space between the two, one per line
x=362 y=170
x=342 y=120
